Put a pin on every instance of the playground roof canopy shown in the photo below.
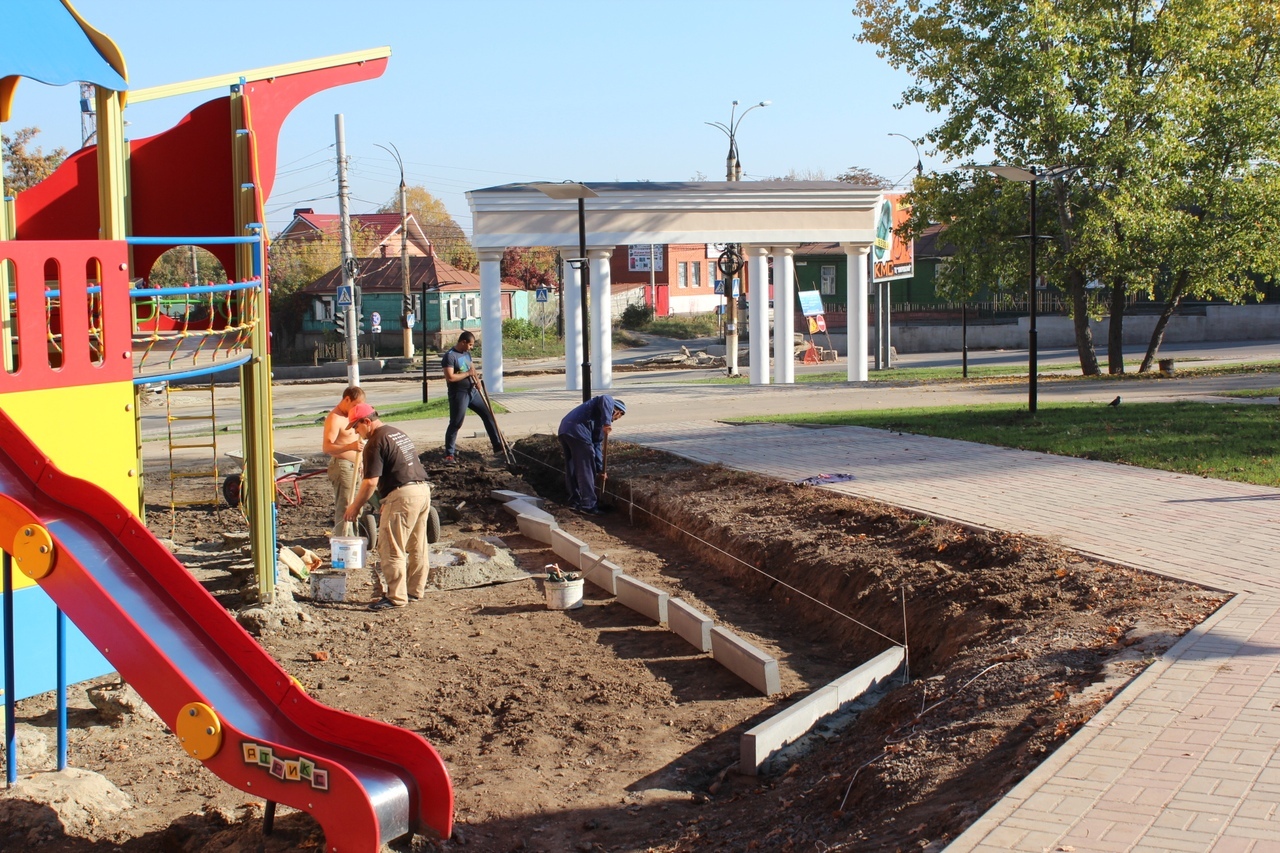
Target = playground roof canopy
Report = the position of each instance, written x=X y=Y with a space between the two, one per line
x=47 y=40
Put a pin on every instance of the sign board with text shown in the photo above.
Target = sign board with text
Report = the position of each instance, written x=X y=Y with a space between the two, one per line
x=638 y=258
x=891 y=256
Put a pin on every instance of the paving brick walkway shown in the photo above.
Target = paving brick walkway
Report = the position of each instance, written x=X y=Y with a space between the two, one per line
x=1185 y=758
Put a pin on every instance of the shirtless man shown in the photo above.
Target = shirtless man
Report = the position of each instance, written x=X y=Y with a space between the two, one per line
x=343 y=447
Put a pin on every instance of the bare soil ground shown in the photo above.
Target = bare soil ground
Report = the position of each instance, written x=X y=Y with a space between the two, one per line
x=596 y=730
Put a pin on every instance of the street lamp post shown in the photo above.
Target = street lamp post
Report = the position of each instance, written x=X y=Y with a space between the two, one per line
x=730 y=261
x=919 y=162
x=1032 y=177
x=581 y=192
x=406 y=302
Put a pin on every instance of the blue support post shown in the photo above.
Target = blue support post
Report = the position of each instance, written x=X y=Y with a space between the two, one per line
x=62 y=689
x=10 y=678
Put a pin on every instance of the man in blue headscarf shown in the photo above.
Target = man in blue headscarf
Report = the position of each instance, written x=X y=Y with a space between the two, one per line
x=583 y=433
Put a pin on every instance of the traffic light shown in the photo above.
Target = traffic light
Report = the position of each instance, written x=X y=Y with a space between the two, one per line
x=340 y=321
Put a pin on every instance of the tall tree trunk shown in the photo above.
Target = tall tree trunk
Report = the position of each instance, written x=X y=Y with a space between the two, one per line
x=1157 y=334
x=1080 y=320
x=1115 y=328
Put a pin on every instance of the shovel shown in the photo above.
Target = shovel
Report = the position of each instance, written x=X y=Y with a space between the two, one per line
x=506 y=449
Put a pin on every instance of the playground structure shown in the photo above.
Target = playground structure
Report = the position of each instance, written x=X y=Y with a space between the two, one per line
x=79 y=335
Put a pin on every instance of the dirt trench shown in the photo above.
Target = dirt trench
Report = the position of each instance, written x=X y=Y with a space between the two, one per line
x=596 y=730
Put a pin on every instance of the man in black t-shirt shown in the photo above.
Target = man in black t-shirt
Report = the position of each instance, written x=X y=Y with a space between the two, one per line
x=392 y=468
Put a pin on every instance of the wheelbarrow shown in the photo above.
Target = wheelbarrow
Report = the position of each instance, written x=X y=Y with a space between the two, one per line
x=287 y=477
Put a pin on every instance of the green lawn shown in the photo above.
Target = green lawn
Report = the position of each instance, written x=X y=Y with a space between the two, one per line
x=1047 y=373
x=1229 y=441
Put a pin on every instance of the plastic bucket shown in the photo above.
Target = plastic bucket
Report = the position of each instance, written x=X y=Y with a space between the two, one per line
x=564 y=595
x=346 y=552
x=329 y=586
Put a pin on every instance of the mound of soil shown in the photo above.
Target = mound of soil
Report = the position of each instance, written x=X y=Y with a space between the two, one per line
x=597 y=730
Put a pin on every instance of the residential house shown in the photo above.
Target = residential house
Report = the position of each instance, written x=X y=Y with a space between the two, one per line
x=683 y=280
x=444 y=301
x=384 y=228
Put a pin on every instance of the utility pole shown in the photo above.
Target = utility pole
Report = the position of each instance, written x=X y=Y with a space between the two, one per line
x=348 y=257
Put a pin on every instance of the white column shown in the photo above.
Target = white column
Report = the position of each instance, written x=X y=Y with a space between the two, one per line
x=784 y=315
x=571 y=293
x=758 y=305
x=491 y=317
x=601 y=318
x=855 y=256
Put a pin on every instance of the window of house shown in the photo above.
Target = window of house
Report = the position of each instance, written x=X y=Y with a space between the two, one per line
x=829 y=280
x=697 y=274
x=455 y=308
x=324 y=308
x=682 y=274
x=473 y=306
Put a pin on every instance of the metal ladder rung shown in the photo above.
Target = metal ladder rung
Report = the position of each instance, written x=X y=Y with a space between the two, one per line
x=177 y=445
x=177 y=503
x=182 y=475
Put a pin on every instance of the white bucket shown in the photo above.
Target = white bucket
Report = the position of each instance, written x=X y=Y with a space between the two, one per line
x=346 y=552
x=329 y=586
x=564 y=595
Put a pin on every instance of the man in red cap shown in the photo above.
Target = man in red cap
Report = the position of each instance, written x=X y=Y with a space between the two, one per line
x=392 y=468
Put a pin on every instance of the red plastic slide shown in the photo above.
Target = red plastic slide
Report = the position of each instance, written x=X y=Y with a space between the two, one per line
x=233 y=707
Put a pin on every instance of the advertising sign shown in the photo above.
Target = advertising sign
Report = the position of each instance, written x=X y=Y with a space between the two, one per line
x=638 y=258
x=810 y=302
x=891 y=256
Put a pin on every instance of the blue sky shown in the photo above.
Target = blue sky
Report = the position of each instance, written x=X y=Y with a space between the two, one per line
x=485 y=92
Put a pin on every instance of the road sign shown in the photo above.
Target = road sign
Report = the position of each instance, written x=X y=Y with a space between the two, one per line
x=541 y=294
x=720 y=286
x=375 y=318
x=410 y=319
x=344 y=296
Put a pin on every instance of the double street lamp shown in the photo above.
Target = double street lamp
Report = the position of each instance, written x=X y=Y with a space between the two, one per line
x=1033 y=177
x=730 y=261
x=582 y=192
x=733 y=168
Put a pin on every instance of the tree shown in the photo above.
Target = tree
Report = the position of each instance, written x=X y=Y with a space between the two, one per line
x=296 y=262
x=186 y=264
x=22 y=168
x=803 y=175
x=1167 y=107
x=448 y=239
x=864 y=178
x=530 y=268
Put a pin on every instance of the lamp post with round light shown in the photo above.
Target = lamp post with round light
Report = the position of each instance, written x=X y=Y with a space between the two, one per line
x=581 y=192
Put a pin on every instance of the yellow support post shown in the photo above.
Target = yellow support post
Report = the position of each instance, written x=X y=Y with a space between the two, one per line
x=255 y=375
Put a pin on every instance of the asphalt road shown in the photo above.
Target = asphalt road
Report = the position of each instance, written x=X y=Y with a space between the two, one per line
x=536 y=402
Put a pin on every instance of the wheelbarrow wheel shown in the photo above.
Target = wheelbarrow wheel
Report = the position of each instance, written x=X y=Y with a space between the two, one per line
x=433 y=526
x=231 y=490
x=369 y=523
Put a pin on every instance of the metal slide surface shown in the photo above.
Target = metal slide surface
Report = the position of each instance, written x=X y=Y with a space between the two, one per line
x=365 y=782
